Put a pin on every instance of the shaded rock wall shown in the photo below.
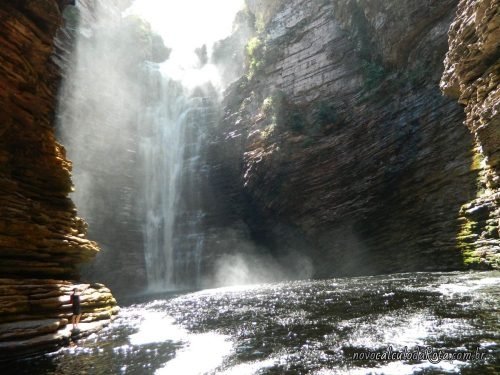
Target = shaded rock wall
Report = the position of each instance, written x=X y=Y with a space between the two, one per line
x=41 y=237
x=339 y=143
x=472 y=75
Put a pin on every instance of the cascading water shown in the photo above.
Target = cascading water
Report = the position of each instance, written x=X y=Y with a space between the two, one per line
x=161 y=153
x=190 y=241
x=170 y=157
x=134 y=128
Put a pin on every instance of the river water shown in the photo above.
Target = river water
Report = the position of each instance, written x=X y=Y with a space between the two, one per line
x=410 y=321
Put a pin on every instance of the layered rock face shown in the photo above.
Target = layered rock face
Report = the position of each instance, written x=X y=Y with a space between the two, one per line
x=34 y=314
x=40 y=232
x=338 y=143
x=472 y=75
x=41 y=237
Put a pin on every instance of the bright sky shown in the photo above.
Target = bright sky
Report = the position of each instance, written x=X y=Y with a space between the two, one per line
x=186 y=25
x=189 y=23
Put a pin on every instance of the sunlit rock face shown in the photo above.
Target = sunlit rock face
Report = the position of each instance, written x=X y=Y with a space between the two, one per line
x=472 y=76
x=35 y=314
x=41 y=237
x=338 y=142
x=40 y=233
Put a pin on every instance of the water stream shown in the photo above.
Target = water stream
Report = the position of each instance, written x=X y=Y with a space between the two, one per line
x=300 y=327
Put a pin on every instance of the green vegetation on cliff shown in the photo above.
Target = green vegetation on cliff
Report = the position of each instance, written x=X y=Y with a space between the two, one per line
x=255 y=51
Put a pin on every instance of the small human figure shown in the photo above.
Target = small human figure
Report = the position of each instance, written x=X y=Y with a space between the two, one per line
x=75 y=304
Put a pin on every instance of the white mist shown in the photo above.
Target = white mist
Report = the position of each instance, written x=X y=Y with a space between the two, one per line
x=125 y=121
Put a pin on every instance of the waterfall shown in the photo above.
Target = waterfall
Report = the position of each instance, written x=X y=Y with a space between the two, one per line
x=135 y=128
x=172 y=131
x=161 y=155
x=190 y=238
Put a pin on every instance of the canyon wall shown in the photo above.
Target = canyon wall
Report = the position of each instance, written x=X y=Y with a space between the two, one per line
x=42 y=240
x=336 y=147
x=472 y=75
x=337 y=142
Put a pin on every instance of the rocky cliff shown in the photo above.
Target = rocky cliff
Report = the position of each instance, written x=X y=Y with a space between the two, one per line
x=42 y=241
x=338 y=143
x=472 y=75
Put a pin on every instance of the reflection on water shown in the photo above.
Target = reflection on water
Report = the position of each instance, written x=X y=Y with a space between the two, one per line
x=313 y=327
x=204 y=353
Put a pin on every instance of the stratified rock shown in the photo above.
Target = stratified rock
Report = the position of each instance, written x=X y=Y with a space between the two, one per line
x=40 y=234
x=339 y=135
x=42 y=241
x=34 y=314
x=472 y=75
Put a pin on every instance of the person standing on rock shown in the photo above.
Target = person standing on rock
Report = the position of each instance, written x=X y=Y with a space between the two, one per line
x=77 y=310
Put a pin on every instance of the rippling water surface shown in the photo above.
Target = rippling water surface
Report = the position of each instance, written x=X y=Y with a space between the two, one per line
x=300 y=327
